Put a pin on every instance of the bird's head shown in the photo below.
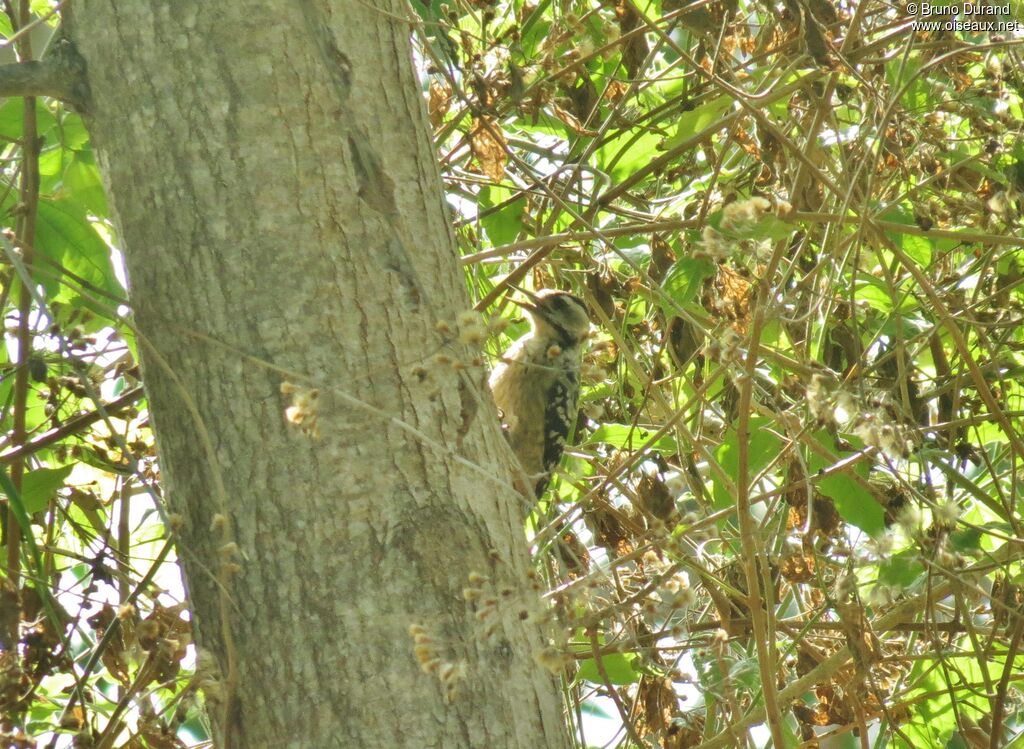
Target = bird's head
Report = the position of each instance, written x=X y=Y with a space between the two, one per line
x=558 y=315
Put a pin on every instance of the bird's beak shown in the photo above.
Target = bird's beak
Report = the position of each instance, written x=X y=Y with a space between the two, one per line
x=530 y=305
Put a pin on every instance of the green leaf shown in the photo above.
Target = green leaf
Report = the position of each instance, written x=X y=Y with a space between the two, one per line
x=625 y=436
x=684 y=279
x=12 y=116
x=871 y=291
x=768 y=226
x=534 y=30
x=901 y=570
x=618 y=666
x=73 y=133
x=41 y=485
x=624 y=154
x=102 y=462
x=762 y=447
x=51 y=162
x=967 y=539
x=16 y=505
x=42 y=8
x=504 y=224
x=918 y=249
x=933 y=718
x=65 y=235
x=877 y=295
x=697 y=119
x=83 y=185
x=854 y=503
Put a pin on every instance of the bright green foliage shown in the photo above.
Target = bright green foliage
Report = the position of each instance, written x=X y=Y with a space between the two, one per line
x=798 y=230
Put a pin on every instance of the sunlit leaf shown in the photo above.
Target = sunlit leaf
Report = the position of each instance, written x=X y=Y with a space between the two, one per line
x=855 y=504
x=762 y=447
x=698 y=119
x=40 y=486
x=65 y=236
x=624 y=436
x=618 y=667
x=683 y=280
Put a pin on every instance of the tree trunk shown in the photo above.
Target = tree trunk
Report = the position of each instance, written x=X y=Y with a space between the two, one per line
x=282 y=219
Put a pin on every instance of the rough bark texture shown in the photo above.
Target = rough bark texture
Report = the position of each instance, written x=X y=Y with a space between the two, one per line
x=282 y=218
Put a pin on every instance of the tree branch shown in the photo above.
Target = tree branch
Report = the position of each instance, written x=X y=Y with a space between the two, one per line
x=61 y=75
x=73 y=425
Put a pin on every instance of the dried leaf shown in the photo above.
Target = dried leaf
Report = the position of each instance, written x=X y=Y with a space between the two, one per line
x=488 y=145
x=440 y=101
x=634 y=49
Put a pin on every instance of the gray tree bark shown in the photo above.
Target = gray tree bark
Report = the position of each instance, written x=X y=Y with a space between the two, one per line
x=282 y=218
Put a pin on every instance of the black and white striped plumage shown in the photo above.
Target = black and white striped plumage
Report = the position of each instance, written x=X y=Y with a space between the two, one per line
x=537 y=382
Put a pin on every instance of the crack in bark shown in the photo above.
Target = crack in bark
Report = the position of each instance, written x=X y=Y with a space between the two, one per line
x=376 y=188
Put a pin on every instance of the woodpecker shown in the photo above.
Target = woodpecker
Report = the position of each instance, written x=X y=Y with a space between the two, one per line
x=537 y=382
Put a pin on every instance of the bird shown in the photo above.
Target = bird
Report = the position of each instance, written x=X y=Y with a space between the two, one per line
x=536 y=383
